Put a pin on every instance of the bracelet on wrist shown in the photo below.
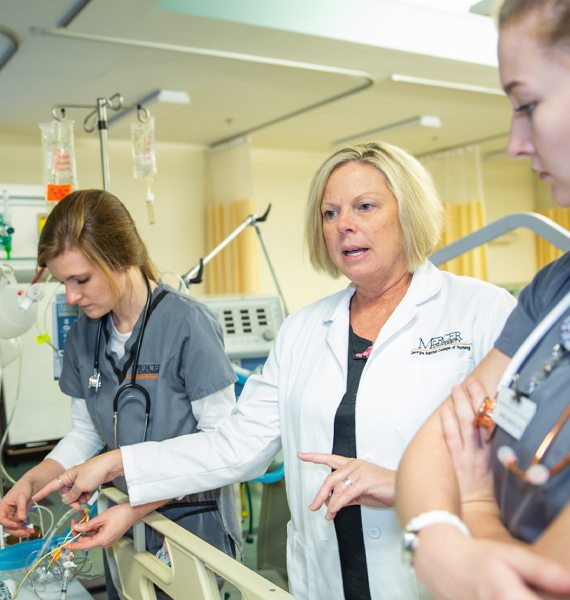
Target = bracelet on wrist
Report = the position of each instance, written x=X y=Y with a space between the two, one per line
x=410 y=539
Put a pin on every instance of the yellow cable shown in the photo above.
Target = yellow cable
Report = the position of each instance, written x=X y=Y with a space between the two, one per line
x=58 y=549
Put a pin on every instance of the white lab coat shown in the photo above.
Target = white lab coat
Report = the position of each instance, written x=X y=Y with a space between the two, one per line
x=442 y=328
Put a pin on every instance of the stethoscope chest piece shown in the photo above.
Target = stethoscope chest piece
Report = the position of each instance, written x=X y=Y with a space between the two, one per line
x=95 y=380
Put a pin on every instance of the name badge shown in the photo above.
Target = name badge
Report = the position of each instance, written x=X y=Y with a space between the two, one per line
x=511 y=414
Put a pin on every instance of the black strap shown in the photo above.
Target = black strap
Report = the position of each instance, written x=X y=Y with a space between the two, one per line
x=195 y=507
x=348 y=521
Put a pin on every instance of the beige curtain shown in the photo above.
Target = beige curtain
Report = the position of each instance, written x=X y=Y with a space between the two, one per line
x=457 y=176
x=235 y=270
x=545 y=251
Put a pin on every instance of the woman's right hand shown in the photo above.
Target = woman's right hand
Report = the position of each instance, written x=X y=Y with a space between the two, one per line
x=105 y=529
x=14 y=509
x=75 y=484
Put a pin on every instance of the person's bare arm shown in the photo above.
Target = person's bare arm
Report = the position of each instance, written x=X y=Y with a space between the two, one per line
x=449 y=564
x=553 y=543
x=426 y=478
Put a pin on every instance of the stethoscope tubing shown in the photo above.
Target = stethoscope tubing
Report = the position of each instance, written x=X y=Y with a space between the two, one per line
x=533 y=340
x=132 y=384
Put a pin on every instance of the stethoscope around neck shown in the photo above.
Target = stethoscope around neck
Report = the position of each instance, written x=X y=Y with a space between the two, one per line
x=95 y=379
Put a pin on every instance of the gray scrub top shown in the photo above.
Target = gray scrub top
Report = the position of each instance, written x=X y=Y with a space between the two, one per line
x=182 y=359
x=526 y=509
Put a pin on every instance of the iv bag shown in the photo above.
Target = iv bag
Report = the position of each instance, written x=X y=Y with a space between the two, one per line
x=142 y=135
x=60 y=175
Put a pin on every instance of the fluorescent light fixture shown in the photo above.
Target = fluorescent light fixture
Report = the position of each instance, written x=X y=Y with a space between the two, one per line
x=421 y=121
x=452 y=6
x=450 y=85
x=163 y=96
x=170 y=96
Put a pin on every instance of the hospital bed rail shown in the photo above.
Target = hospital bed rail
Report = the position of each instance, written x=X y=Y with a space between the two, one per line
x=539 y=224
x=194 y=564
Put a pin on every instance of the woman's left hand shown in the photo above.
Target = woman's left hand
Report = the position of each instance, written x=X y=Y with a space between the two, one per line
x=470 y=454
x=354 y=481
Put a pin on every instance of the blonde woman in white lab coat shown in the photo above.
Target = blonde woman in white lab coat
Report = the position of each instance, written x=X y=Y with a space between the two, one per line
x=355 y=374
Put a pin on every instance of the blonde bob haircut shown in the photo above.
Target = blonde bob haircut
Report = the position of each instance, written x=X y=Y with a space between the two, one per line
x=98 y=225
x=420 y=210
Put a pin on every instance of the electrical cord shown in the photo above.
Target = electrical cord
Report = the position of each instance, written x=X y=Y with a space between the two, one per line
x=42 y=331
x=249 y=537
x=55 y=553
x=9 y=421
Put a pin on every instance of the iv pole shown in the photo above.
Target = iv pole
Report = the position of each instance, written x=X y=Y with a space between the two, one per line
x=195 y=274
x=115 y=103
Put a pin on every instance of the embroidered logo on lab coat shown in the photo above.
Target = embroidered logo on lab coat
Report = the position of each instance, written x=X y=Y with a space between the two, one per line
x=443 y=343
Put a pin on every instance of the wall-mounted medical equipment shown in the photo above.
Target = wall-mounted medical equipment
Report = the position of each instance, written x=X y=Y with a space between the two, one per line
x=6 y=231
x=250 y=325
x=23 y=207
x=63 y=316
x=6 y=228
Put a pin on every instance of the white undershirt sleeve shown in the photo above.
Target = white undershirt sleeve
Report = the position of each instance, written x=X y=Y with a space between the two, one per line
x=211 y=411
x=82 y=442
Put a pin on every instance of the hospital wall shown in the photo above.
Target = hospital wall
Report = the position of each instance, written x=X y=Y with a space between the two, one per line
x=282 y=178
x=509 y=188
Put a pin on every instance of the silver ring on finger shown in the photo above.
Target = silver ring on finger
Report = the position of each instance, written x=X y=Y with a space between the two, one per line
x=346 y=482
x=59 y=481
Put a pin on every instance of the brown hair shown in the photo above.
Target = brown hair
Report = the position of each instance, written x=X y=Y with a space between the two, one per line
x=98 y=225
x=420 y=210
x=552 y=25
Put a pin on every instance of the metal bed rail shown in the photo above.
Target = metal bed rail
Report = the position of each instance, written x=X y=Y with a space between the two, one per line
x=194 y=564
x=542 y=226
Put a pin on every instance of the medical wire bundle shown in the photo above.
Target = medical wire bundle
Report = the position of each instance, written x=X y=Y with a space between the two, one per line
x=59 y=561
